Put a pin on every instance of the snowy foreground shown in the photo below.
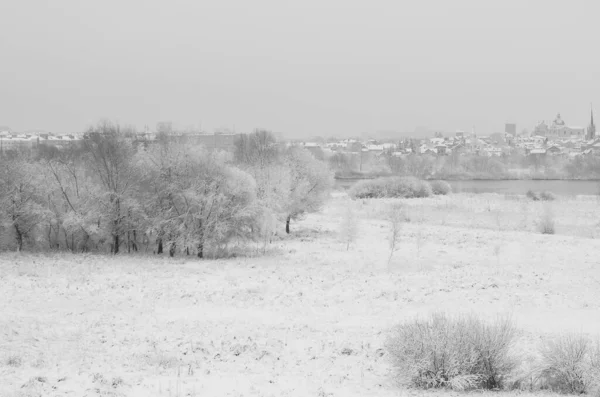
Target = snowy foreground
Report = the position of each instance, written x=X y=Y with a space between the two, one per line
x=308 y=318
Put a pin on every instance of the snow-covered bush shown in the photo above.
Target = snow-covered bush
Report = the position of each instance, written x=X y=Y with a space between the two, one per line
x=541 y=196
x=459 y=353
x=570 y=364
x=547 y=196
x=440 y=187
x=391 y=187
x=546 y=223
x=368 y=188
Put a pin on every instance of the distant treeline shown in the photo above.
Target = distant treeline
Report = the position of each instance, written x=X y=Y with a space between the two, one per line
x=465 y=167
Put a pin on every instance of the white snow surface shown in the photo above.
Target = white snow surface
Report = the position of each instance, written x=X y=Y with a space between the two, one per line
x=308 y=318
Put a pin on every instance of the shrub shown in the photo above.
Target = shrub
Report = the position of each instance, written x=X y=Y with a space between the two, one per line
x=546 y=223
x=532 y=195
x=441 y=187
x=14 y=361
x=391 y=187
x=541 y=196
x=547 y=196
x=423 y=190
x=349 y=226
x=570 y=364
x=396 y=216
x=457 y=353
x=369 y=188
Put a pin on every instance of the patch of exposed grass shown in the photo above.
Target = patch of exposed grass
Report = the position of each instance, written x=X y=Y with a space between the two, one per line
x=14 y=361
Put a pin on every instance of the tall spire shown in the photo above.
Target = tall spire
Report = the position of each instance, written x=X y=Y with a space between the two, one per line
x=591 y=128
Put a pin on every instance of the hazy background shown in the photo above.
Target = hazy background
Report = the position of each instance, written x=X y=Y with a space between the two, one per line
x=304 y=68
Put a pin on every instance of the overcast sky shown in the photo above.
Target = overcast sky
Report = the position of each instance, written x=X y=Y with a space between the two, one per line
x=305 y=67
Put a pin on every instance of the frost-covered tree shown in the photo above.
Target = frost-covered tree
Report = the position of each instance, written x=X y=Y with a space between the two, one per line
x=349 y=225
x=72 y=201
x=21 y=199
x=259 y=155
x=396 y=216
x=311 y=181
x=197 y=200
x=109 y=157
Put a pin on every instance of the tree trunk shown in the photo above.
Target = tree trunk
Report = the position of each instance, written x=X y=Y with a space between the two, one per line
x=19 y=238
x=172 y=250
x=160 y=246
x=135 y=248
x=116 y=244
x=67 y=240
x=201 y=250
x=50 y=236
x=287 y=224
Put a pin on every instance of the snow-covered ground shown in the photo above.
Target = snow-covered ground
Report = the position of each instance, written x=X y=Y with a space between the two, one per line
x=308 y=318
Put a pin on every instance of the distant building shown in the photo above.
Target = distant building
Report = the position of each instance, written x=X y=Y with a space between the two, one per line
x=558 y=129
x=538 y=152
x=591 y=130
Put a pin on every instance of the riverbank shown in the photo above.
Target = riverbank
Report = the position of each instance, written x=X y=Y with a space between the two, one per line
x=564 y=187
x=486 y=178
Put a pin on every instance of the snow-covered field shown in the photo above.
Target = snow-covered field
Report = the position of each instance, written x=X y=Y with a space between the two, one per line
x=308 y=318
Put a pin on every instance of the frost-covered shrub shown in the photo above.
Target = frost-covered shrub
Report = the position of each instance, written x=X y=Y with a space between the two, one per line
x=458 y=353
x=391 y=187
x=541 y=196
x=440 y=187
x=547 y=196
x=370 y=188
x=546 y=224
x=570 y=364
x=532 y=195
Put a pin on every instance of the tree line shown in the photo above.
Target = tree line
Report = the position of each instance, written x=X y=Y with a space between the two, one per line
x=111 y=194
x=466 y=166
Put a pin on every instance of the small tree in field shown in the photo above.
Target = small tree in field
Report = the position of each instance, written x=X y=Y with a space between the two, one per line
x=311 y=181
x=395 y=217
x=349 y=226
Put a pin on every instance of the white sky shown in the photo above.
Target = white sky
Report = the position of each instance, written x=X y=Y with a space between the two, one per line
x=304 y=67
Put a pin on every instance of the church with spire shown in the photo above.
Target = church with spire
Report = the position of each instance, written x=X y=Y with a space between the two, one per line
x=591 y=130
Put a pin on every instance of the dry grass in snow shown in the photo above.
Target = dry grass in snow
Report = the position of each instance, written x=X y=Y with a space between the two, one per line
x=310 y=318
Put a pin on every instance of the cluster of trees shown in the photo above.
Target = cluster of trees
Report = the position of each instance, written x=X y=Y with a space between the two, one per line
x=110 y=193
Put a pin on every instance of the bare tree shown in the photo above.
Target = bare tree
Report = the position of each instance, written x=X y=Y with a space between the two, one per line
x=395 y=217
x=71 y=199
x=349 y=226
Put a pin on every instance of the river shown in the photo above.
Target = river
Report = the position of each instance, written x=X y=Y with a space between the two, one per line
x=559 y=187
